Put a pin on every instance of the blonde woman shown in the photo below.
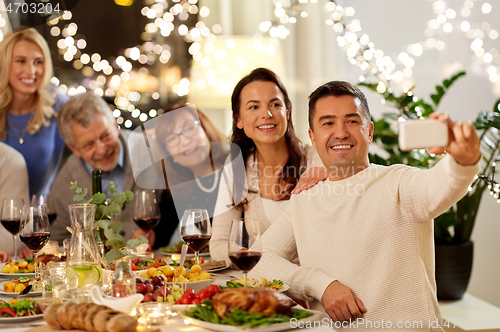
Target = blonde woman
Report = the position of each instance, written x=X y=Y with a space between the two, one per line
x=28 y=109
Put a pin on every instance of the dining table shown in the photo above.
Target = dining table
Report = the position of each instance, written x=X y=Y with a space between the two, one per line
x=174 y=324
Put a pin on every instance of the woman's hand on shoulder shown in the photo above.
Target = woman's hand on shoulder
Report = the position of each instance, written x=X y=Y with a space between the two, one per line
x=310 y=178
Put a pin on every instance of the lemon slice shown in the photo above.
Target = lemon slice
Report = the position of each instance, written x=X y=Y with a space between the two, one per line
x=72 y=277
x=86 y=275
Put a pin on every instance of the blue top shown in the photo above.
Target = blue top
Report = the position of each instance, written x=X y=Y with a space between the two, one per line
x=117 y=174
x=42 y=151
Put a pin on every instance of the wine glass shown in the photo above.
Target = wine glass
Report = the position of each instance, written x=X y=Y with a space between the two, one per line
x=196 y=230
x=147 y=211
x=245 y=245
x=11 y=219
x=45 y=199
x=35 y=230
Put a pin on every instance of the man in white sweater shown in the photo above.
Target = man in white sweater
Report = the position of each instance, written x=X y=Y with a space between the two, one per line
x=364 y=237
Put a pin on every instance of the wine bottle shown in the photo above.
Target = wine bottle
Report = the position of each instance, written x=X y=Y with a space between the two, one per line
x=97 y=188
x=96 y=181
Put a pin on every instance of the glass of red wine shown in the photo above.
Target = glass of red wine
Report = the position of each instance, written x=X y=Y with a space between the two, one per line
x=45 y=199
x=245 y=245
x=147 y=210
x=196 y=230
x=11 y=219
x=35 y=230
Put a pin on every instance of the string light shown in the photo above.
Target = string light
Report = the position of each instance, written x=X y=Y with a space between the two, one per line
x=362 y=53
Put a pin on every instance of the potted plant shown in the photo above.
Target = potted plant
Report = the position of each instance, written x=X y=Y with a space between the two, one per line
x=453 y=228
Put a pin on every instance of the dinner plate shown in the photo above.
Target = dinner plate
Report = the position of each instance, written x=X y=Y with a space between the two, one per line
x=284 y=288
x=182 y=307
x=19 y=319
x=317 y=315
x=217 y=269
x=31 y=293
x=202 y=254
x=15 y=275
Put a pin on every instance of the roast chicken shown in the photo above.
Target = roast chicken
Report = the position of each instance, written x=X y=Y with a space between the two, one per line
x=263 y=300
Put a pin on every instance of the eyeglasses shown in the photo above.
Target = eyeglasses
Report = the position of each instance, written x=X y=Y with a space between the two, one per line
x=188 y=131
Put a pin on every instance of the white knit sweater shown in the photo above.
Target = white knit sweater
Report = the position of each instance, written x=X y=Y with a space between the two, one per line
x=13 y=184
x=223 y=216
x=373 y=232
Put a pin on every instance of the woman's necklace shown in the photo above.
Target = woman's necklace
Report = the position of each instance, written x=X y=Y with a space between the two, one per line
x=216 y=180
x=20 y=133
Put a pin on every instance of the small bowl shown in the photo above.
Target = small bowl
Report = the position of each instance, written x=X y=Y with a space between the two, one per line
x=154 y=313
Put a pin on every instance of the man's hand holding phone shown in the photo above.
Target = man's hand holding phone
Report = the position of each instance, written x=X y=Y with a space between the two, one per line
x=440 y=134
x=463 y=142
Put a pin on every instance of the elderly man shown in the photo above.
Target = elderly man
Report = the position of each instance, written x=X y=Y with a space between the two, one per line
x=89 y=129
x=364 y=237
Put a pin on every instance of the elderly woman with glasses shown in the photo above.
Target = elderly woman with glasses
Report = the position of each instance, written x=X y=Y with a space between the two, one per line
x=192 y=153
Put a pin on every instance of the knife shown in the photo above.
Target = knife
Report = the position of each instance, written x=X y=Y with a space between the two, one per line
x=184 y=251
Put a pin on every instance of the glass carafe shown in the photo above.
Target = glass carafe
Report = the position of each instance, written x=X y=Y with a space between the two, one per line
x=83 y=262
x=123 y=278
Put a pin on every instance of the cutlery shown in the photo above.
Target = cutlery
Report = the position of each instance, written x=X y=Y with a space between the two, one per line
x=23 y=292
x=183 y=253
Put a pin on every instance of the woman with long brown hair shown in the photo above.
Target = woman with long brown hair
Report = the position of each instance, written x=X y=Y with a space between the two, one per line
x=28 y=108
x=273 y=156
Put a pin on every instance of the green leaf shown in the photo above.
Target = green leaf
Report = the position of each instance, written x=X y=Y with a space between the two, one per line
x=129 y=195
x=133 y=243
x=84 y=192
x=78 y=190
x=489 y=143
x=108 y=233
x=119 y=199
x=113 y=242
x=112 y=255
x=371 y=86
x=116 y=226
x=435 y=99
x=78 y=197
x=439 y=90
x=115 y=209
x=98 y=198
x=104 y=224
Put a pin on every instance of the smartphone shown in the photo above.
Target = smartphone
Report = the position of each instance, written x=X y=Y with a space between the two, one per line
x=422 y=133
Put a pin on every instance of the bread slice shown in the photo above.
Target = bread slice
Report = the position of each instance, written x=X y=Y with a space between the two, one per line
x=121 y=323
x=102 y=318
x=50 y=316
x=63 y=317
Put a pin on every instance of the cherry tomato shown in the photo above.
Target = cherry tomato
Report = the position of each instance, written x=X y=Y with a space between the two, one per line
x=213 y=289
x=204 y=294
x=190 y=292
x=154 y=265
x=135 y=260
x=184 y=299
x=195 y=301
x=134 y=267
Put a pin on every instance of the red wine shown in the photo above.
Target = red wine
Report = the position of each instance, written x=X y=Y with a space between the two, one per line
x=12 y=225
x=245 y=260
x=36 y=240
x=196 y=242
x=147 y=223
x=52 y=217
